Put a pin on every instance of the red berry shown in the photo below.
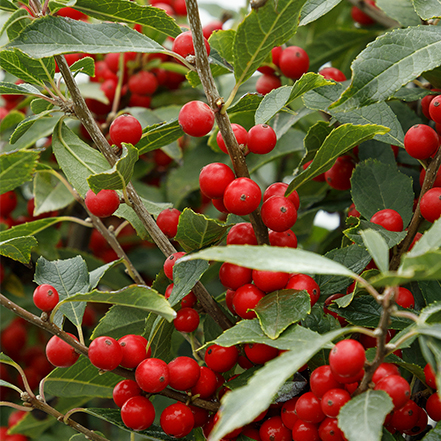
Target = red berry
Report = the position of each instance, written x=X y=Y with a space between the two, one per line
x=266 y=83
x=200 y=415
x=303 y=431
x=282 y=239
x=420 y=425
x=421 y=141
x=241 y=234
x=273 y=429
x=105 y=353
x=246 y=299
x=240 y=134
x=60 y=353
x=138 y=413
x=384 y=370
x=189 y=300
x=125 y=128
x=437 y=182
x=322 y=380
x=269 y=281
x=72 y=13
x=332 y=73
x=261 y=139
x=347 y=357
x=170 y=263
x=279 y=189
x=397 y=388
x=206 y=385
x=45 y=297
x=196 y=118
x=124 y=390
x=303 y=282
x=308 y=408
x=429 y=374
x=361 y=17
x=209 y=28
x=214 y=178
x=187 y=320
x=333 y=400
x=435 y=109
x=406 y=417
x=259 y=353
x=168 y=220
x=339 y=175
x=430 y=204
x=405 y=298
x=102 y=204
x=234 y=276
x=134 y=349
x=143 y=83
x=288 y=414
x=8 y=202
x=433 y=407
x=278 y=213
x=221 y=359
x=389 y=219
x=177 y=420
x=183 y=44
x=242 y=196
x=184 y=373
x=294 y=62
x=329 y=430
x=152 y=375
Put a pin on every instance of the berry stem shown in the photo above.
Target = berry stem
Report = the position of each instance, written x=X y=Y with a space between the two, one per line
x=216 y=102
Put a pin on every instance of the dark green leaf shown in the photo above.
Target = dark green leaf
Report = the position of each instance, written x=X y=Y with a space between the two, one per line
x=159 y=333
x=28 y=228
x=362 y=417
x=85 y=65
x=27 y=123
x=431 y=290
x=271 y=25
x=273 y=259
x=185 y=275
x=18 y=248
x=17 y=21
x=7 y=5
x=400 y=10
x=39 y=105
x=339 y=141
x=280 y=309
x=430 y=241
x=81 y=380
x=196 y=231
x=98 y=273
x=20 y=89
x=16 y=168
x=314 y=9
x=379 y=72
x=423 y=267
x=76 y=36
x=427 y=9
x=319 y=321
x=141 y=297
x=434 y=434
x=377 y=248
x=247 y=103
x=159 y=135
x=119 y=175
x=376 y=186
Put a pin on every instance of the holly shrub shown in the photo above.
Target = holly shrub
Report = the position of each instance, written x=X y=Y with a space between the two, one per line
x=162 y=275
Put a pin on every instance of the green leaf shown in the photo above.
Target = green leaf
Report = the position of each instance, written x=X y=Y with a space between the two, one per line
x=425 y=266
x=223 y=42
x=430 y=290
x=4 y=383
x=401 y=10
x=242 y=405
x=277 y=99
x=28 y=228
x=159 y=135
x=68 y=277
x=18 y=89
x=246 y=103
x=119 y=175
x=16 y=168
x=379 y=114
x=12 y=118
x=430 y=241
x=141 y=297
x=76 y=36
x=314 y=9
x=159 y=332
x=85 y=65
x=120 y=321
x=17 y=21
x=130 y=12
x=98 y=273
x=261 y=30
x=280 y=309
x=81 y=380
x=7 y=5
x=362 y=417
x=18 y=248
x=185 y=276
x=434 y=434
x=196 y=231
x=50 y=193
x=376 y=186
x=339 y=141
x=27 y=123
x=427 y=9
x=39 y=105
x=377 y=248
x=273 y=259
x=379 y=72
x=27 y=69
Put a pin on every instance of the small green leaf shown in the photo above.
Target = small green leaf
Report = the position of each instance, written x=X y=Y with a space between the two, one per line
x=27 y=123
x=377 y=247
x=159 y=135
x=98 y=273
x=76 y=36
x=28 y=228
x=141 y=297
x=223 y=42
x=362 y=417
x=434 y=434
x=338 y=142
x=12 y=118
x=159 y=332
x=246 y=103
x=427 y=9
x=4 y=383
x=80 y=380
x=379 y=72
x=16 y=168
x=85 y=65
x=430 y=241
x=20 y=89
x=17 y=21
x=425 y=266
x=280 y=309
x=119 y=175
x=7 y=5
x=273 y=259
x=314 y=9
x=18 y=248
x=39 y=105
x=401 y=10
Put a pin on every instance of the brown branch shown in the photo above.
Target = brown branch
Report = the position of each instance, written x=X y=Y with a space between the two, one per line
x=376 y=13
x=216 y=102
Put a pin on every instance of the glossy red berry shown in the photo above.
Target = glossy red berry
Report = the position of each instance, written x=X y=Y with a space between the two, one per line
x=389 y=219
x=259 y=353
x=124 y=390
x=397 y=388
x=177 y=420
x=134 y=348
x=294 y=62
x=303 y=431
x=221 y=359
x=384 y=370
x=102 y=204
x=168 y=221
x=234 y=276
x=279 y=189
x=269 y=281
x=143 y=83
x=242 y=196
x=435 y=109
x=332 y=73
x=405 y=298
x=189 y=300
x=183 y=44
x=196 y=118
x=430 y=204
x=206 y=385
x=241 y=234
x=333 y=400
x=45 y=297
x=187 y=320
x=288 y=414
x=278 y=213
x=433 y=407
x=266 y=83
x=273 y=429
x=429 y=374
x=8 y=202
x=339 y=175
x=282 y=239
x=214 y=178
x=437 y=182
x=347 y=357
x=184 y=373
x=170 y=263
x=152 y=375
x=421 y=141
x=406 y=417
x=246 y=299
x=303 y=282
x=240 y=134
x=322 y=380
x=329 y=430
x=60 y=353
x=308 y=408
x=261 y=139
x=208 y=29
x=138 y=413
x=105 y=353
